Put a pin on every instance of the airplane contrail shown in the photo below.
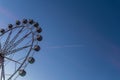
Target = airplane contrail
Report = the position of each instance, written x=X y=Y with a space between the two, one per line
x=66 y=46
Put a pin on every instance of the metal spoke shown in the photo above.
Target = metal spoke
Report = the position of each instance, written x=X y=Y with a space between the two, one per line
x=18 y=49
x=15 y=66
x=12 y=60
x=10 y=56
x=15 y=37
x=7 y=40
x=19 y=41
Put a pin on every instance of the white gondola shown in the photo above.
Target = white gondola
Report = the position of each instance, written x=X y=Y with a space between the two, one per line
x=25 y=21
x=2 y=31
x=31 y=60
x=36 y=25
x=10 y=26
x=36 y=47
x=31 y=21
x=39 y=30
x=39 y=38
x=22 y=72
x=18 y=22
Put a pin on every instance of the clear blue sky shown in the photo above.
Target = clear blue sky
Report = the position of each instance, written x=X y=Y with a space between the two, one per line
x=81 y=37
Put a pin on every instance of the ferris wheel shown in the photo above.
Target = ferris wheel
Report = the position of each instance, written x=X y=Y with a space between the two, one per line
x=18 y=44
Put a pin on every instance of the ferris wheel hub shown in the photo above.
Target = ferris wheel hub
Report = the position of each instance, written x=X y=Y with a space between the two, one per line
x=1 y=58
